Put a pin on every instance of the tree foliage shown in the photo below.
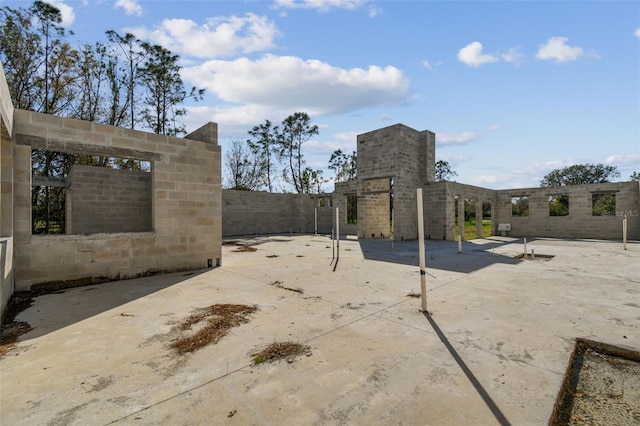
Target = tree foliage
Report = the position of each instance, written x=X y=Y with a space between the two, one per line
x=244 y=168
x=160 y=76
x=443 y=171
x=264 y=146
x=580 y=174
x=295 y=131
x=98 y=82
x=344 y=166
x=635 y=176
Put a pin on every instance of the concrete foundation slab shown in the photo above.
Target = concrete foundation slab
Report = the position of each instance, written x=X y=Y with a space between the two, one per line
x=493 y=349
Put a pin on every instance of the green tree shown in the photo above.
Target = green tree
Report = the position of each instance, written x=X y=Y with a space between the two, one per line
x=21 y=56
x=580 y=174
x=244 y=168
x=344 y=166
x=311 y=181
x=635 y=176
x=264 y=146
x=134 y=55
x=165 y=90
x=443 y=171
x=296 y=130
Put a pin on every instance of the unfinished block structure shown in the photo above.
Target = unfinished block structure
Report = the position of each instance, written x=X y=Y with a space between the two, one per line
x=119 y=223
x=393 y=162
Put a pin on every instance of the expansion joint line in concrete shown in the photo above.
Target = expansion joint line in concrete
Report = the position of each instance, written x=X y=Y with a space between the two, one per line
x=248 y=365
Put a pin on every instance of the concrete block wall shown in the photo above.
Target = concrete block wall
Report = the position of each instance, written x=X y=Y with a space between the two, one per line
x=374 y=218
x=186 y=210
x=102 y=200
x=408 y=157
x=256 y=212
x=580 y=223
x=6 y=194
x=340 y=194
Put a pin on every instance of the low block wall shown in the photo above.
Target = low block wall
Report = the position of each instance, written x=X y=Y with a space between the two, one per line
x=580 y=222
x=251 y=212
x=186 y=197
x=108 y=200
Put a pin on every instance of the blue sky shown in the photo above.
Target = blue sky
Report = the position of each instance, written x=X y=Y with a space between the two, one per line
x=512 y=89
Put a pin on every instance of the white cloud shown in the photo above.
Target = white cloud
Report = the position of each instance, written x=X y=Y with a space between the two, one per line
x=217 y=37
x=637 y=32
x=66 y=12
x=472 y=55
x=321 y=5
x=427 y=65
x=290 y=84
x=454 y=159
x=374 y=11
x=493 y=127
x=623 y=160
x=513 y=55
x=131 y=7
x=461 y=138
x=556 y=49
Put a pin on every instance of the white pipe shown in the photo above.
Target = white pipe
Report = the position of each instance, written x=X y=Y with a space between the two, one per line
x=337 y=233
x=459 y=243
x=533 y=254
x=525 y=247
x=421 y=251
x=624 y=232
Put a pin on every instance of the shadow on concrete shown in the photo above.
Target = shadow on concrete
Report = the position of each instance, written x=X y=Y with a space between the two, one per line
x=495 y=410
x=53 y=311
x=441 y=255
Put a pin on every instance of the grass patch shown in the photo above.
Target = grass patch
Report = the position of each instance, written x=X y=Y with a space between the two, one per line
x=470 y=229
x=280 y=350
x=244 y=249
x=212 y=323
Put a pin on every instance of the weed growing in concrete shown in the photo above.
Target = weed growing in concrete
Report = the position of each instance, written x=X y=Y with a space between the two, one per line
x=214 y=323
x=280 y=350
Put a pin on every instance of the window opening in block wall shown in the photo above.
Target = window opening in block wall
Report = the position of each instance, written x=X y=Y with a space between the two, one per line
x=559 y=205
x=520 y=206
x=487 y=225
x=51 y=185
x=603 y=204
x=352 y=208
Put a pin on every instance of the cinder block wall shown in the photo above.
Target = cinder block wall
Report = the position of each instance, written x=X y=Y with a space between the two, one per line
x=6 y=194
x=408 y=157
x=186 y=211
x=342 y=191
x=108 y=200
x=580 y=223
x=256 y=212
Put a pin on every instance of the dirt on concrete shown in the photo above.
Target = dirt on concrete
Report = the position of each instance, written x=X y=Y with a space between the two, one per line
x=602 y=386
x=209 y=325
x=280 y=350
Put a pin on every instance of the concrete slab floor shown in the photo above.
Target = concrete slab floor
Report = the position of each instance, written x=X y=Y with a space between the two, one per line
x=493 y=350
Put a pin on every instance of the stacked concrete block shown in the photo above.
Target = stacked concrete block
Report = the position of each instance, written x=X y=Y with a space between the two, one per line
x=580 y=222
x=405 y=158
x=256 y=212
x=102 y=200
x=342 y=191
x=186 y=216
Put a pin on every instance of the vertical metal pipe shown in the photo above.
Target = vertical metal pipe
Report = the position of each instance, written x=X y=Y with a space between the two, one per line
x=337 y=233
x=624 y=232
x=423 y=271
x=315 y=221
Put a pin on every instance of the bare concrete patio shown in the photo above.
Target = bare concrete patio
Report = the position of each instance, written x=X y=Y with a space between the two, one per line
x=493 y=351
